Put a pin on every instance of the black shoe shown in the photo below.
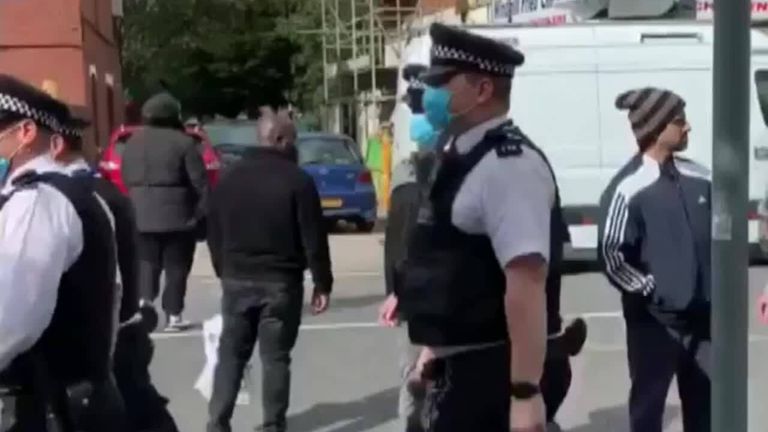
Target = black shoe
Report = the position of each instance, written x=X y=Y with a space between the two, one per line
x=574 y=337
x=149 y=317
x=553 y=427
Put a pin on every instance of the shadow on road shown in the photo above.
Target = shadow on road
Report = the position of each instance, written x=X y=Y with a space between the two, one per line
x=358 y=416
x=616 y=419
x=357 y=302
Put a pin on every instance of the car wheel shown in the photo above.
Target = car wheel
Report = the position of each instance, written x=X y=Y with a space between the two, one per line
x=365 y=226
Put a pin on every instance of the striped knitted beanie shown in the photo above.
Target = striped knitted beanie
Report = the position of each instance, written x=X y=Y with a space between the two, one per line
x=650 y=110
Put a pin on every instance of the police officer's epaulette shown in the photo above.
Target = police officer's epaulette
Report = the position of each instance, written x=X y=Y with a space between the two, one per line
x=508 y=140
x=26 y=180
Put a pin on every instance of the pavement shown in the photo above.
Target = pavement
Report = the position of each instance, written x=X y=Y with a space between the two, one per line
x=345 y=374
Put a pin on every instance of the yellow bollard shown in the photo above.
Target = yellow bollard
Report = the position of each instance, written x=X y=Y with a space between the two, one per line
x=386 y=169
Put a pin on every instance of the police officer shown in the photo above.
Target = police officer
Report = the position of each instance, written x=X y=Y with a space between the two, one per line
x=58 y=295
x=400 y=223
x=146 y=409
x=474 y=280
x=563 y=342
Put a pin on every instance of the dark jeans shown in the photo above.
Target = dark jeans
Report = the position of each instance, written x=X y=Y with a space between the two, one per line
x=656 y=354
x=170 y=252
x=471 y=392
x=271 y=313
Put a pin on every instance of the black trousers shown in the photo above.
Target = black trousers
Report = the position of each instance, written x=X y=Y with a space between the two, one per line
x=470 y=392
x=173 y=254
x=656 y=354
x=555 y=383
x=271 y=313
x=146 y=410
x=26 y=411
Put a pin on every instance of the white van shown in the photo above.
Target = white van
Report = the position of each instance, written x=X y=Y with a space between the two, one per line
x=563 y=98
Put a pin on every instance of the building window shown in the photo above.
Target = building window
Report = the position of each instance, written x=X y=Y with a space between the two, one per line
x=110 y=108
x=95 y=110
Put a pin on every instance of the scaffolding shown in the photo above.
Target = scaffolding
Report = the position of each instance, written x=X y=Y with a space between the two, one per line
x=363 y=42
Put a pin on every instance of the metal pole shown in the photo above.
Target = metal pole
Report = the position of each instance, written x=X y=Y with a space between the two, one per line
x=730 y=163
x=399 y=29
x=373 y=49
x=325 y=67
x=338 y=35
x=354 y=44
x=353 y=7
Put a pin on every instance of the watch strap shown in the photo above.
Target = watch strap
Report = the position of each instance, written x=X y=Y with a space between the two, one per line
x=524 y=390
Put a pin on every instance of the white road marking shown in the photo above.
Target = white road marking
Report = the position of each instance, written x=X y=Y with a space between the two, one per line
x=305 y=327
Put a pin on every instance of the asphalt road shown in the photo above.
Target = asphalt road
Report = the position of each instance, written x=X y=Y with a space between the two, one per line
x=345 y=376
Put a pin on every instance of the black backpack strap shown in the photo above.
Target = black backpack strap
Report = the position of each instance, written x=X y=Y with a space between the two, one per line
x=25 y=181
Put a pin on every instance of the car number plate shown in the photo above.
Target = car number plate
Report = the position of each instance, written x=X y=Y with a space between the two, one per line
x=330 y=203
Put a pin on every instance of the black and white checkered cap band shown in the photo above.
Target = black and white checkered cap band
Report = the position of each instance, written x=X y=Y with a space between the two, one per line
x=448 y=53
x=12 y=104
x=416 y=83
x=71 y=132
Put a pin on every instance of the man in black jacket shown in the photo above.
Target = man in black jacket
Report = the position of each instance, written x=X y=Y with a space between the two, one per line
x=146 y=409
x=164 y=172
x=265 y=227
x=655 y=248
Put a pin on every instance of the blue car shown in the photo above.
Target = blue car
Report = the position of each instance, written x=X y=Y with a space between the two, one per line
x=334 y=162
x=345 y=184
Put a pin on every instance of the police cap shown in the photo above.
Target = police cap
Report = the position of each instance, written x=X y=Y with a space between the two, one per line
x=19 y=101
x=74 y=126
x=412 y=73
x=454 y=50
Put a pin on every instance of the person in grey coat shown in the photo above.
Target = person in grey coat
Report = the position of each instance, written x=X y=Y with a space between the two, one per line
x=165 y=175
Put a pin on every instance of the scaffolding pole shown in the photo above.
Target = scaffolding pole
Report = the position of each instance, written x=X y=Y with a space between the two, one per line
x=372 y=34
x=325 y=65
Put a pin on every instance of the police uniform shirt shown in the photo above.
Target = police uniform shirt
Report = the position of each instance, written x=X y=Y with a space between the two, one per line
x=508 y=199
x=41 y=237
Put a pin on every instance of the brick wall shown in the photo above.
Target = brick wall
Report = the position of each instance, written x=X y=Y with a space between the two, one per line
x=102 y=65
x=39 y=23
x=69 y=42
x=431 y=6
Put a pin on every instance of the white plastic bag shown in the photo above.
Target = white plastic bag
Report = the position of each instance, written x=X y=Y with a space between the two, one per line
x=204 y=384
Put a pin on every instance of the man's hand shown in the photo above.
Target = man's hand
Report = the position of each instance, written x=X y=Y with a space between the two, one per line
x=528 y=415
x=762 y=307
x=388 y=312
x=320 y=302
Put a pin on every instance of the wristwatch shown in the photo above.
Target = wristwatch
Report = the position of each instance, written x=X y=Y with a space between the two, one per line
x=524 y=390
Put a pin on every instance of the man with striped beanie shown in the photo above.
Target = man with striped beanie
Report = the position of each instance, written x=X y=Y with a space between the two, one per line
x=654 y=246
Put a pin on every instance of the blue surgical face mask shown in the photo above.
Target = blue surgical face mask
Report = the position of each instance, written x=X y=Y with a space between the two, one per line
x=437 y=107
x=5 y=162
x=422 y=132
x=5 y=166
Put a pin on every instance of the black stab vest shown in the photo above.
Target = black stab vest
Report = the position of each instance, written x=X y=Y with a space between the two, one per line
x=77 y=344
x=452 y=287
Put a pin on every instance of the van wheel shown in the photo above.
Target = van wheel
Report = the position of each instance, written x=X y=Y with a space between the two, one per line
x=365 y=226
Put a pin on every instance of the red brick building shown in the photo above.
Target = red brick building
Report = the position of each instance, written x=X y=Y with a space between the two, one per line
x=70 y=46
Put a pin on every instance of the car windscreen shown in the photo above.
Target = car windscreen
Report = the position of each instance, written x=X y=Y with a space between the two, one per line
x=326 y=151
x=123 y=139
x=232 y=135
x=120 y=143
